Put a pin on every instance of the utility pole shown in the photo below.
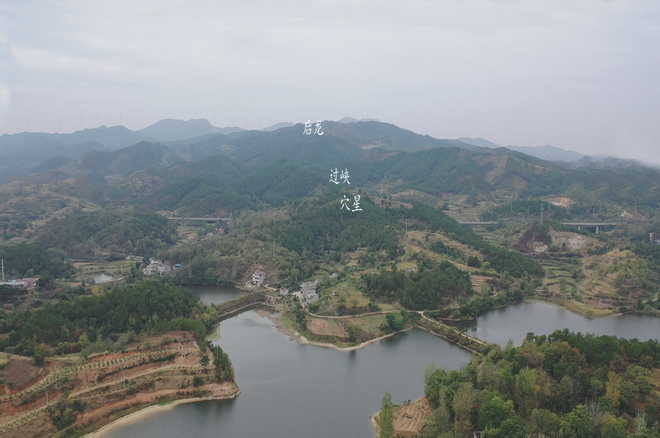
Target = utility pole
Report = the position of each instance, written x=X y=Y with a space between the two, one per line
x=406 y=226
x=273 y=248
x=3 y=269
x=124 y=379
x=46 y=398
x=541 y=213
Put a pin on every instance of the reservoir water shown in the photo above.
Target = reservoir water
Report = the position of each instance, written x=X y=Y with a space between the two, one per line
x=213 y=294
x=516 y=320
x=294 y=390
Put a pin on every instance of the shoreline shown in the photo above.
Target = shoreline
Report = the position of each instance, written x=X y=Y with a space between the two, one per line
x=150 y=410
x=303 y=340
x=215 y=336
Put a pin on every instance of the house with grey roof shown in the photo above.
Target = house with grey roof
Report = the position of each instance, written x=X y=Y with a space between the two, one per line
x=308 y=290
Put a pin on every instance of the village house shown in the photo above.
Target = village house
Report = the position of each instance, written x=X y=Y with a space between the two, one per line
x=27 y=283
x=308 y=290
x=158 y=267
x=258 y=277
x=284 y=291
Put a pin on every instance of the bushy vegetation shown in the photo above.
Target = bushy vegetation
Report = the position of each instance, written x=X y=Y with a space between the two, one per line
x=27 y=260
x=81 y=234
x=562 y=385
x=479 y=305
x=195 y=198
x=650 y=252
x=222 y=364
x=325 y=228
x=427 y=288
x=500 y=259
x=281 y=182
x=146 y=306
x=440 y=248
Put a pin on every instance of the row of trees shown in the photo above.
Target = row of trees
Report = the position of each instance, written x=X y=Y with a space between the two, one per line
x=563 y=385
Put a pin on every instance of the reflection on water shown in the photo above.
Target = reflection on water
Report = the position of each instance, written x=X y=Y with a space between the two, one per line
x=213 y=294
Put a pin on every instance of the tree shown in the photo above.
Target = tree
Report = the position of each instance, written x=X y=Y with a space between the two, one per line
x=41 y=352
x=613 y=386
x=352 y=333
x=385 y=421
x=526 y=390
x=473 y=262
x=44 y=279
x=463 y=405
x=513 y=427
x=545 y=423
x=580 y=422
x=616 y=428
x=494 y=413
x=204 y=361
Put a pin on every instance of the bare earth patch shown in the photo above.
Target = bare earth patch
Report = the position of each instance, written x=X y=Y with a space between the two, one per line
x=328 y=327
x=409 y=419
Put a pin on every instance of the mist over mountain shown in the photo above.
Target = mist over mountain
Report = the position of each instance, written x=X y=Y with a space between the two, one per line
x=547 y=152
x=277 y=126
x=174 y=130
x=345 y=141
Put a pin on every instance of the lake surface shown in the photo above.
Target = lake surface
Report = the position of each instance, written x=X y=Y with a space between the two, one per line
x=294 y=390
x=516 y=320
x=216 y=294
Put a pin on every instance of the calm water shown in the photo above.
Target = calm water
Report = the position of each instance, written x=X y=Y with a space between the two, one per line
x=516 y=320
x=293 y=390
x=102 y=278
x=216 y=294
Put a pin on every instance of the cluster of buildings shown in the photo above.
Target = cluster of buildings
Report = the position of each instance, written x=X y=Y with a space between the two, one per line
x=159 y=267
x=307 y=290
x=25 y=283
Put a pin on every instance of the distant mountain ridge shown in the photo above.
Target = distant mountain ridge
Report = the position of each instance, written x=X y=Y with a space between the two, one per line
x=547 y=152
x=197 y=139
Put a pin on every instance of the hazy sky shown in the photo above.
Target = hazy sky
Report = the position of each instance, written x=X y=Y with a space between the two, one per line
x=581 y=75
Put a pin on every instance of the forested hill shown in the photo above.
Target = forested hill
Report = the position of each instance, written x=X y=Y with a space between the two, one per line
x=562 y=385
x=257 y=169
x=81 y=234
